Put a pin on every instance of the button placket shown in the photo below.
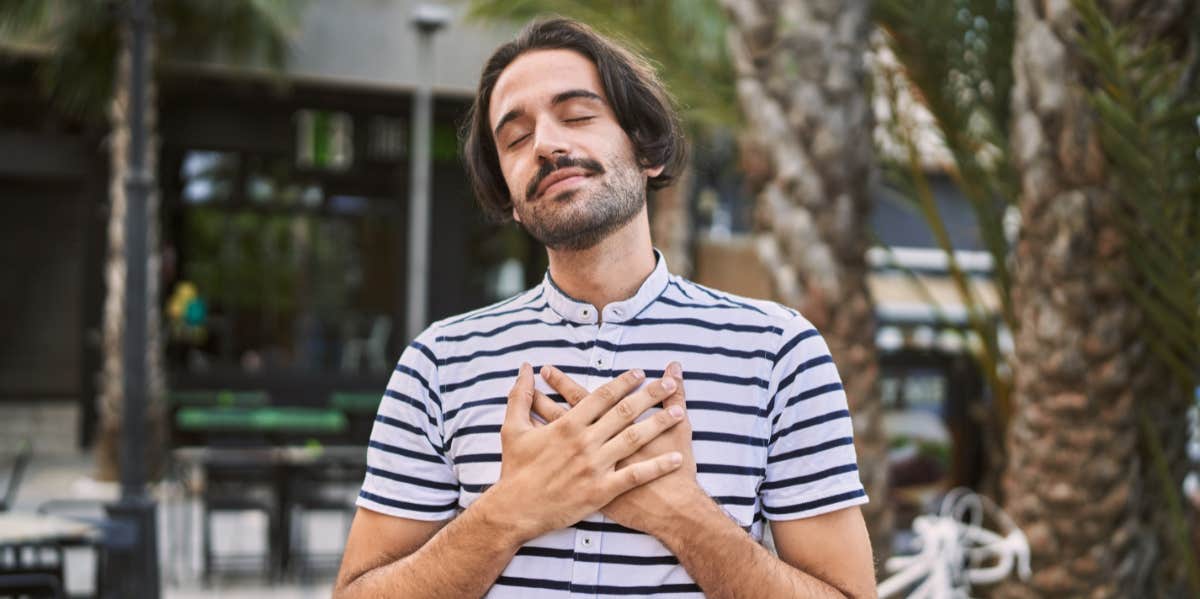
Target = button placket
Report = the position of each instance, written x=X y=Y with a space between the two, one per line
x=586 y=573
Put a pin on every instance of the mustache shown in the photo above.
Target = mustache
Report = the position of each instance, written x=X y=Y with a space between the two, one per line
x=550 y=166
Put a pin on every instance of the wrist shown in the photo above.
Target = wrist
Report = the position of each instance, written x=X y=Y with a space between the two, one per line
x=500 y=515
x=695 y=515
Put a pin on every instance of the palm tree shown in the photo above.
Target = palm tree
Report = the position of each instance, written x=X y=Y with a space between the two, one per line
x=87 y=73
x=802 y=84
x=1096 y=439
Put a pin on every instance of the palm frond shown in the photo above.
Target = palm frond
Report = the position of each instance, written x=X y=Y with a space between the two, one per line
x=685 y=38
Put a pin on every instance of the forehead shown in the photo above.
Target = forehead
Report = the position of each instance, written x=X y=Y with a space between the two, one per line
x=535 y=77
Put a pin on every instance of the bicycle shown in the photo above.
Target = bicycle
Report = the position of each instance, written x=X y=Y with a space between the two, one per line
x=957 y=552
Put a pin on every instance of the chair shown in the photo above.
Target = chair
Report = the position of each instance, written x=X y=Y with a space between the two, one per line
x=325 y=488
x=91 y=511
x=20 y=463
x=236 y=487
x=31 y=585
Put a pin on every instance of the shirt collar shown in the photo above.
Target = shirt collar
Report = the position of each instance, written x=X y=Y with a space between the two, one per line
x=581 y=312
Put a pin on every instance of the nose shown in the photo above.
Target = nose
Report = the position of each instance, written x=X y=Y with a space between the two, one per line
x=551 y=141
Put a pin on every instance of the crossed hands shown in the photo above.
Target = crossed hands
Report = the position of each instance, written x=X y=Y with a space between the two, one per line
x=595 y=456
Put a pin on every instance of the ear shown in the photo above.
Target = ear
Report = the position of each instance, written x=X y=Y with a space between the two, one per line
x=653 y=171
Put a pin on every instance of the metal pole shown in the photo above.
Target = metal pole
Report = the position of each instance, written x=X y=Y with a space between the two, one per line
x=418 y=196
x=427 y=19
x=134 y=552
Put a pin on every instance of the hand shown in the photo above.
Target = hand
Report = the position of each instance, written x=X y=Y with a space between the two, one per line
x=553 y=475
x=647 y=507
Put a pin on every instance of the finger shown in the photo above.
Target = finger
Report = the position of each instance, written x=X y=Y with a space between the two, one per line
x=629 y=441
x=600 y=401
x=640 y=473
x=558 y=380
x=547 y=408
x=628 y=409
x=520 y=398
x=678 y=398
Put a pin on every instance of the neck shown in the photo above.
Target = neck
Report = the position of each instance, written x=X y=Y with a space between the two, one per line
x=610 y=271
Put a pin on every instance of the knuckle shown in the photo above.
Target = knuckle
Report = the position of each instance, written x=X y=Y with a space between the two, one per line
x=664 y=418
x=626 y=411
x=576 y=445
x=632 y=436
x=605 y=394
x=634 y=476
x=567 y=428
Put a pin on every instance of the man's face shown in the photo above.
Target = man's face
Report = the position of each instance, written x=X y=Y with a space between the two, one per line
x=569 y=167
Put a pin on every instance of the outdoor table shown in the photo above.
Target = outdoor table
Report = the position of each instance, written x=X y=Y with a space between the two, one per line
x=284 y=462
x=22 y=531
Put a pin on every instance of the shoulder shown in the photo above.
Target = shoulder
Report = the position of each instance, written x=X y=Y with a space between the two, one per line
x=689 y=295
x=498 y=314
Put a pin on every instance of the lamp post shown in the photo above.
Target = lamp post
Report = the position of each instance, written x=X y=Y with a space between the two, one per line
x=132 y=546
x=427 y=19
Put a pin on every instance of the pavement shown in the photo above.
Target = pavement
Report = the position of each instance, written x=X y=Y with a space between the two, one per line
x=241 y=537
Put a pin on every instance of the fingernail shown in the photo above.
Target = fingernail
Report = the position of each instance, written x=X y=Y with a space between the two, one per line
x=668 y=384
x=525 y=367
x=676 y=411
x=674 y=369
x=676 y=458
x=639 y=374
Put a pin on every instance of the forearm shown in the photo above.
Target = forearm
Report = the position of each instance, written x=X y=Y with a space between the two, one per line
x=728 y=564
x=462 y=560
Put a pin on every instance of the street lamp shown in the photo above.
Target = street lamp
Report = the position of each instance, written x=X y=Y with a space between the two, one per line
x=427 y=19
x=132 y=544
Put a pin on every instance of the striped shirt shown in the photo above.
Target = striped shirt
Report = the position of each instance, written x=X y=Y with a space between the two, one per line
x=771 y=432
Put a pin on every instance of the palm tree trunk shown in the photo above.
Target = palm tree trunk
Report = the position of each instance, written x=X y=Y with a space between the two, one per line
x=1078 y=481
x=112 y=372
x=802 y=87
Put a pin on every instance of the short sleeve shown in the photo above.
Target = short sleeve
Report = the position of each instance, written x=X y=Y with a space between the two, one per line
x=812 y=468
x=408 y=473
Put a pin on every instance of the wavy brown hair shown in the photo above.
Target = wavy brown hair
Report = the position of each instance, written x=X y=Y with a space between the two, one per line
x=642 y=106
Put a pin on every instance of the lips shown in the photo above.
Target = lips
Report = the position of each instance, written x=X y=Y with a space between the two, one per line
x=561 y=174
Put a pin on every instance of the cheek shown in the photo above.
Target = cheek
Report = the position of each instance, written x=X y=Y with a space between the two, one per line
x=515 y=178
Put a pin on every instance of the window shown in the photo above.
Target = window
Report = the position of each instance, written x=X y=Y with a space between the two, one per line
x=293 y=270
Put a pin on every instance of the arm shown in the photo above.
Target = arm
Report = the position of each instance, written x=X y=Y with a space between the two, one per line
x=728 y=563
x=397 y=557
x=724 y=560
x=551 y=476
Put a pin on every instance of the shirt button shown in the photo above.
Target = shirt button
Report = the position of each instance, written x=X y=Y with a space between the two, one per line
x=617 y=312
x=587 y=541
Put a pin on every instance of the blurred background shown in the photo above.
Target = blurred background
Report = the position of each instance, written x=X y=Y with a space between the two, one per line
x=990 y=209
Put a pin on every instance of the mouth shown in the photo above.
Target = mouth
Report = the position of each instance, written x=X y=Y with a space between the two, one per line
x=561 y=180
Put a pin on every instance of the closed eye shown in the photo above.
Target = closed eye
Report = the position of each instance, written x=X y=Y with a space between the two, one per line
x=517 y=141
x=579 y=119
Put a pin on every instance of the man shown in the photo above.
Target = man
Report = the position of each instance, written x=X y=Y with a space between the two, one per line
x=570 y=481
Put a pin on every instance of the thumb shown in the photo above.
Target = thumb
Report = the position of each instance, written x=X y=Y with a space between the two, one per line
x=675 y=371
x=520 y=400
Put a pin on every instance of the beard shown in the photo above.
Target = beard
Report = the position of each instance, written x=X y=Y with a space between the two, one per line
x=579 y=219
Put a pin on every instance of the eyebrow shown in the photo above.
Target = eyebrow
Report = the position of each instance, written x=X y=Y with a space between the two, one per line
x=559 y=98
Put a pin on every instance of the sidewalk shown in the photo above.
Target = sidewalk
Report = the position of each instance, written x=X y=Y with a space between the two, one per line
x=69 y=477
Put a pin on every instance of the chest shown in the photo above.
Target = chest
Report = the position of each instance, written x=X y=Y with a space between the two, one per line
x=725 y=389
